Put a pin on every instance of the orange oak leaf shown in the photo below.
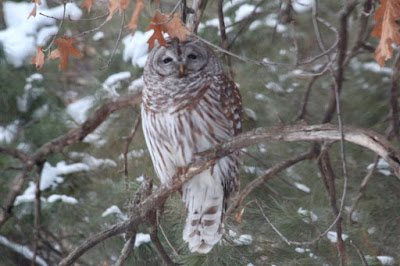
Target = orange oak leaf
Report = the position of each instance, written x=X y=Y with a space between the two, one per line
x=38 y=59
x=33 y=12
x=87 y=4
x=176 y=29
x=64 y=50
x=156 y=25
x=387 y=29
x=239 y=216
x=162 y=23
x=135 y=16
x=115 y=5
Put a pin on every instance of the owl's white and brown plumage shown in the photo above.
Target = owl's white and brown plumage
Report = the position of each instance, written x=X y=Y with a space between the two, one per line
x=189 y=106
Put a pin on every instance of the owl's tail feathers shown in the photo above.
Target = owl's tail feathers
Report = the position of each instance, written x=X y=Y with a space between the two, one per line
x=204 y=224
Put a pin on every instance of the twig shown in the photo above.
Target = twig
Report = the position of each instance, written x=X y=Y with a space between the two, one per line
x=18 y=184
x=108 y=62
x=246 y=21
x=166 y=239
x=224 y=42
x=77 y=20
x=394 y=98
x=128 y=142
x=194 y=19
x=94 y=29
x=270 y=173
x=361 y=34
x=360 y=253
x=58 y=30
x=303 y=109
x=268 y=63
x=126 y=251
x=361 y=190
x=160 y=249
x=39 y=168
x=337 y=84
x=23 y=157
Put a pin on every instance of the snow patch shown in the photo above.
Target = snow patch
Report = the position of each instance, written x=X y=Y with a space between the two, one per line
x=7 y=133
x=50 y=177
x=332 y=236
x=113 y=82
x=141 y=239
x=136 y=85
x=140 y=179
x=301 y=6
x=92 y=162
x=62 y=198
x=243 y=240
x=385 y=260
x=382 y=167
x=244 y=11
x=302 y=187
x=375 y=67
x=98 y=36
x=136 y=48
x=308 y=215
x=23 y=250
x=78 y=109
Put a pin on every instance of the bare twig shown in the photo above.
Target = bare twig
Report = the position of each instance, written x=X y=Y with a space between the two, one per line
x=58 y=30
x=23 y=157
x=126 y=251
x=268 y=63
x=198 y=7
x=39 y=169
x=303 y=109
x=270 y=173
x=16 y=187
x=224 y=41
x=360 y=253
x=361 y=190
x=108 y=62
x=128 y=141
x=394 y=98
x=166 y=239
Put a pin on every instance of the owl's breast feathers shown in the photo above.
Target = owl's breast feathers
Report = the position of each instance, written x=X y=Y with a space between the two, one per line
x=190 y=120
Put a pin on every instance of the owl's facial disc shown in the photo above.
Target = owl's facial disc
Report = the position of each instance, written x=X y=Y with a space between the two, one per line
x=180 y=61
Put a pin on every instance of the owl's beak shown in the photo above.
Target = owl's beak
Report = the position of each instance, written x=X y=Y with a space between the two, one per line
x=181 y=70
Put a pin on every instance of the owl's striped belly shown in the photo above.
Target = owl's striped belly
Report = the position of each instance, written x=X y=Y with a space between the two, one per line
x=174 y=138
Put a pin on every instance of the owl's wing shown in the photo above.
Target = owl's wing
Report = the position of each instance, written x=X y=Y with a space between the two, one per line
x=226 y=100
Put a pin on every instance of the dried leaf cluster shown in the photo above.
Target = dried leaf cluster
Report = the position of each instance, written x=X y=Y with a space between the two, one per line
x=386 y=29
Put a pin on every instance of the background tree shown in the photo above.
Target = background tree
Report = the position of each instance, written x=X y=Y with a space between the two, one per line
x=320 y=174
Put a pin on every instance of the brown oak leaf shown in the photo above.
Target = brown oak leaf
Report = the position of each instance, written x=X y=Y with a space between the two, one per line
x=117 y=5
x=87 y=4
x=387 y=29
x=38 y=59
x=239 y=216
x=162 y=23
x=64 y=50
x=33 y=12
x=133 y=23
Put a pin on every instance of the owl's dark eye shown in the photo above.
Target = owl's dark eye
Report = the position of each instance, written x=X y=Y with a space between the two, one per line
x=192 y=56
x=167 y=60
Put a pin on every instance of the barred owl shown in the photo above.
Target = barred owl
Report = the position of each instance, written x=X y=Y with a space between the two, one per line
x=189 y=106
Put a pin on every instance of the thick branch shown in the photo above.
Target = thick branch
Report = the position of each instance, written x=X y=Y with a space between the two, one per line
x=78 y=134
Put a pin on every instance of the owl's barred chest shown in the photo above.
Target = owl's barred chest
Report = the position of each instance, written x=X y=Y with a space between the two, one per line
x=180 y=133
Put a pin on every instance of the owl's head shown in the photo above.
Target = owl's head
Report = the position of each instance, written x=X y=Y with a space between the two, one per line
x=183 y=59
